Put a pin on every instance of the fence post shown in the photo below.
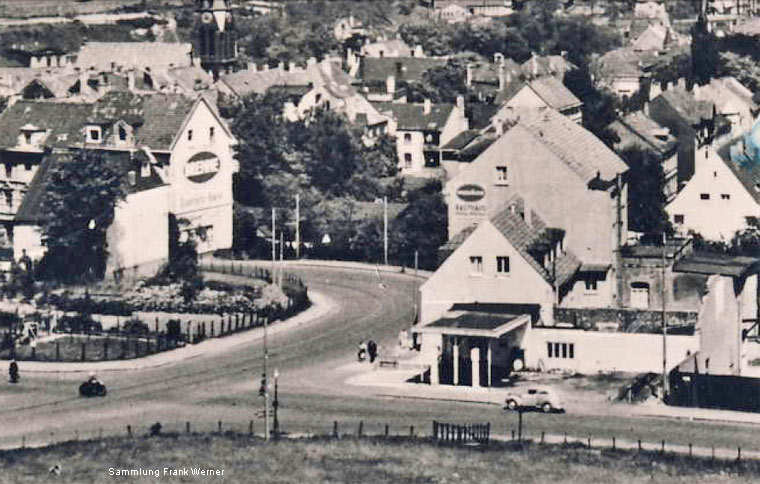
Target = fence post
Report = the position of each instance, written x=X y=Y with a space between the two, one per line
x=411 y=431
x=361 y=427
x=488 y=432
x=513 y=435
x=386 y=429
x=639 y=445
x=23 y=441
x=84 y=352
x=712 y=456
x=57 y=351
x=663 y=446
x=565 y=441
x=221 y=322
x=542 y=436
x=690 y=454
x=220 y=426
x=435 y=430
x=237 y=319
x=335 y=429
x=187 y=427
x=613 y=443
x=212 y=329
x=739 y=454
x=250 y=427
x=129 y=430
x=105 y=348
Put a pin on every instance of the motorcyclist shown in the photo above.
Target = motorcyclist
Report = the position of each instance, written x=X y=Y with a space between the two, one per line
x=13 y=371
x=93 y=380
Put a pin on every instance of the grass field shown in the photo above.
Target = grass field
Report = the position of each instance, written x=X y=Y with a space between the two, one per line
x=245 y=459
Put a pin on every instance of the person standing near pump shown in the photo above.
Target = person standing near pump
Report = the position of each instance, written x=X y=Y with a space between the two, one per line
x=13 y=372
x=361 y=355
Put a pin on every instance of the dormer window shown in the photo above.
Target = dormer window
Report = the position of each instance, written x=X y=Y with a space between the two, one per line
x=28 y=138
x=122 y=133
x=94 y=134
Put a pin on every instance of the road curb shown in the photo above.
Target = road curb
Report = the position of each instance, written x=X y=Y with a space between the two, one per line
x=320 y=306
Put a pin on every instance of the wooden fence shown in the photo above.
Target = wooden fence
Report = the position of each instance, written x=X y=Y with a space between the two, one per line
x=462 y=434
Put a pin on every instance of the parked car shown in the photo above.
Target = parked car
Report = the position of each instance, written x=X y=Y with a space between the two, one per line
x=540 y=398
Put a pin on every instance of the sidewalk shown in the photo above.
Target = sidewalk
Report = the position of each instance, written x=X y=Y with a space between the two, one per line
x=320 y=306
x=394 y=383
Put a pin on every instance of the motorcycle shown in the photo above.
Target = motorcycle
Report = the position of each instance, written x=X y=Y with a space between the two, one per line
x=92 y=388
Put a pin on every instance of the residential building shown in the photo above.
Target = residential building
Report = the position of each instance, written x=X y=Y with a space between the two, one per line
x=637 y=130
x=107 y=56
x=620 y=71
x=485 y=79
x=486 y=8
x=547 y=65
x=556 y=166
x=694 y=122
x=421 y=130
x=347 y=27
x=733 y=101
x=391 y=48
x=385 y=79
x=654 y=38
x=652 y=11
x=178 y=142
x=720 y=198
x=528 y=97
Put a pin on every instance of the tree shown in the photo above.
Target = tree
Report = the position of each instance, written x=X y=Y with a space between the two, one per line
x=421 y=227
x=646 y=198
x=704 y=52
x=442 y=84
x=744 y=68
x=182 y=266
x=79 y=202
x=599 y=107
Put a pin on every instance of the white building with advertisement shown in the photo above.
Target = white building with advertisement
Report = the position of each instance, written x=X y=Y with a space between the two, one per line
x=177 y=156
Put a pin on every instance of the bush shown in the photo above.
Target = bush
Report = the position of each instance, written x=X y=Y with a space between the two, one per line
x=79 y=324
x=135 y=326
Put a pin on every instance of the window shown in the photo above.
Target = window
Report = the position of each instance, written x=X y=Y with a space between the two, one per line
x=678 y=218
x=704 y=196
x=28 y=138
x=476 y=264
x=211 y=133
x=27 y=166
x=407 y=160
x=501 y=174
x=189 y=134
x=591 y=284
x=9 y=198
x=8 y=170
x=93 y=134
x=560 y=350
x=725 y=196
x=122 y=134
x=502 y=264
x=407 y=137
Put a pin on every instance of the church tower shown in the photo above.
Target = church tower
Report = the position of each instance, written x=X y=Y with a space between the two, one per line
x=215 y=36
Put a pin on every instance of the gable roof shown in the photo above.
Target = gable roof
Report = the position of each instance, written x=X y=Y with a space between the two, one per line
x=526 y=238
x=546 y=65
x=101 y=55
x=64 y=122
x=388 y=46
x=159 y=117
x=548 y=88
x=748 y=174
x=375 y=70
x=723 y=91
x=653 y=37
x=412 y=117
x=686 y=105
x=623 y=62
x=577 y=147
x=638 y=129
x=31 y=212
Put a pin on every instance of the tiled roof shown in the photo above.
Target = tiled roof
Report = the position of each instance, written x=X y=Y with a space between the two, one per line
x=523 y=236
x=158 y=117
x=621 y=62
x=63 y=121
x=723 y=91
x=687 y=106
x=134 y=54
x=488 y=72
x=31 y=210
x=326 y=73
x=388 y=46
x=377 y=69
x=461 y=140
x=748 y=173
x=577 y=147
x=548 y=88
x=546 y=65
x=723 y=264
x=653 y=38
x=638 y=129
x=412 y=117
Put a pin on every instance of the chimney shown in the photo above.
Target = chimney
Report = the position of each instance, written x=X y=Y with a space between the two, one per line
x=84 y=76
x=291 y=66
x=468 y=75
x=418 y=52
x=313 y=60
x=132 y=177
x=265 y=67
x=646 y=109
x=281 y=66
x=427 y=106
x=390 y=85
x=498 y=58
x=534 y=66
x=502 y=80
x=460 y=103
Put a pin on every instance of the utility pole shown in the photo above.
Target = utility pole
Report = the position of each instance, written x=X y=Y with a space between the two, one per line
x=298 y=226
x=664 y=324
x=416 y=290
x=385 y=230
x=282 y=265
x=266 y=319
x=274 y=250
x=276 y=404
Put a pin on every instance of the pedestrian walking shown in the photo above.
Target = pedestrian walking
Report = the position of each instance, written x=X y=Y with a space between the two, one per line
x=361 y=355
x=372 y=351
x=13 y=372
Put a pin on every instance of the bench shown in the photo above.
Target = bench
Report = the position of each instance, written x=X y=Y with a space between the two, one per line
x=388 y=363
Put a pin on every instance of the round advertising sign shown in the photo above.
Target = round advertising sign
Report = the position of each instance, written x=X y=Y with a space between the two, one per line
x=471 y=193
x=202 y=167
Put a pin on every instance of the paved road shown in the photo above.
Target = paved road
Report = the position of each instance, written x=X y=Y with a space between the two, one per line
x=313 y=360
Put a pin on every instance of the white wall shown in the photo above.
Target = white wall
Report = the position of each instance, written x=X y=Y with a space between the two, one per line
x=27 y=237
x=139 y=234
x=454 y=282
x=716 y=218
x=602 y=352
x=208 y=202
x=413 y=147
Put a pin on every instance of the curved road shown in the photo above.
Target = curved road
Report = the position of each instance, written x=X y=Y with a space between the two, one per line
x=313 y=361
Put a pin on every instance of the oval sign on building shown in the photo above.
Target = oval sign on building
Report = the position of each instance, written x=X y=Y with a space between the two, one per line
x=471 y=193
x=202 y=167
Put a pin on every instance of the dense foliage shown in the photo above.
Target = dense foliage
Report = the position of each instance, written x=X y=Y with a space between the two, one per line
x=79 y=203
x=646 y=200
